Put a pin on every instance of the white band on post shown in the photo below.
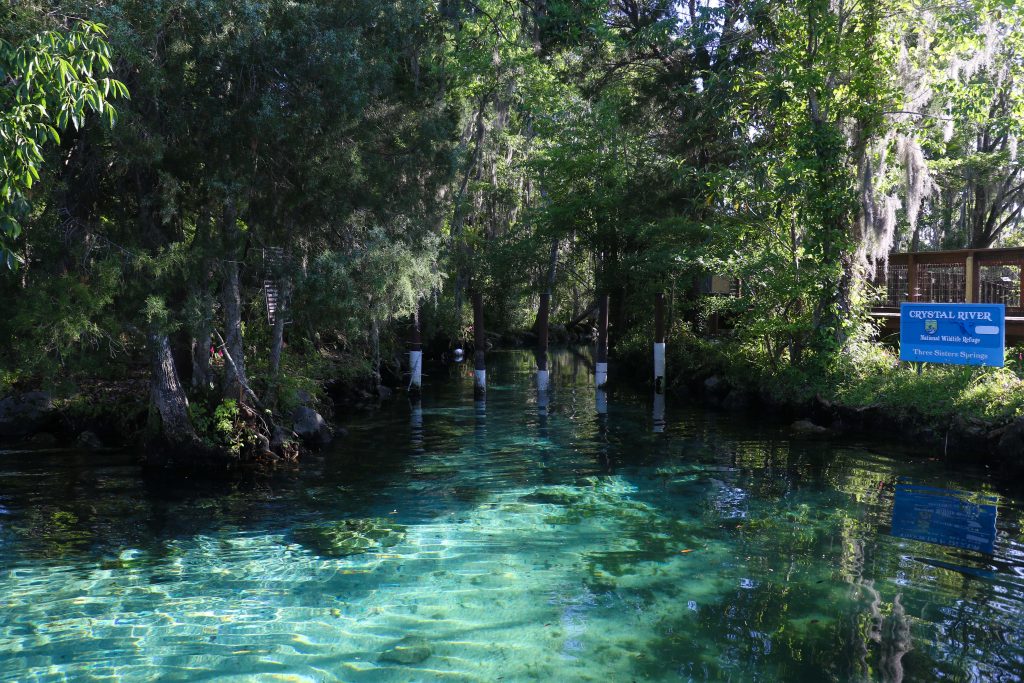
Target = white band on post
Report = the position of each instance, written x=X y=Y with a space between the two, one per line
x=480 y=379
x=542 y=380
x=601 y=374
x=415 y=368
x=659 y=367
x=659 y=360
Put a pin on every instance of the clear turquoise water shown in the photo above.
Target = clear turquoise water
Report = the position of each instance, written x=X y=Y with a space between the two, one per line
x=518 y=548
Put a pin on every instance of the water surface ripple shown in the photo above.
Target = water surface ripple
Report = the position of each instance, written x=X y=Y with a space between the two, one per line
x=499 y=541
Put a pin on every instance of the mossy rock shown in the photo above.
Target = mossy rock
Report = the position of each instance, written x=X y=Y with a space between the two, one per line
x=351 y=536
x=554 y=495
x=409 y=650
x=468 y=494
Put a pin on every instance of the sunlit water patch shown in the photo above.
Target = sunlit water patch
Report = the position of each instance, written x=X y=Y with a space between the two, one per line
x=495 y=542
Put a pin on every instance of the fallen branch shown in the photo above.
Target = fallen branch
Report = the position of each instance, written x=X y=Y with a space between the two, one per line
x=245 y=386
x=588 y=312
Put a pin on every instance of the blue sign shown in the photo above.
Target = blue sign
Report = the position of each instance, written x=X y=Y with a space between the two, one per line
x=957 y=334
x=922 y=513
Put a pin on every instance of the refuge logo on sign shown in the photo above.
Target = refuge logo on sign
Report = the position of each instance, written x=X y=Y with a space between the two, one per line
x=956 y=334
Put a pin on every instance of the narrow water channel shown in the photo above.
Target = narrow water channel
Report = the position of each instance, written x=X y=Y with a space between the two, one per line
x=506 y=542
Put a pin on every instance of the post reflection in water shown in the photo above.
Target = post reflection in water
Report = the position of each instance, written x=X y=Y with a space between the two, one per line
x=601 y=403
x=480 y=418
x=658 y=411
x=721 y=549
x=543 y=401
x=543 y=395
x=416 y=425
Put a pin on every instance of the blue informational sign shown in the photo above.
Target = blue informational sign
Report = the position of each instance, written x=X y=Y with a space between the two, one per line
x=957 y=334
x=923 y=513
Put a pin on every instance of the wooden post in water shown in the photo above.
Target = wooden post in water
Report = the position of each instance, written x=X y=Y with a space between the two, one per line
x=543 y=314
x=480 y=344
x=659 y=343
x=416 y=355
x=601 y=367
x=542 y=342
x=542 y=354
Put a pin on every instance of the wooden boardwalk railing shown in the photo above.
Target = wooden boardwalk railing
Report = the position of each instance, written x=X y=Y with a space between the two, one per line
x=988 y=276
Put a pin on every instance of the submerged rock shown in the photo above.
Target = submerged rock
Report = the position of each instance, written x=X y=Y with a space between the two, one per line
x=409 y=650
x=553 y=495
x=351 y=537
x=807 y=427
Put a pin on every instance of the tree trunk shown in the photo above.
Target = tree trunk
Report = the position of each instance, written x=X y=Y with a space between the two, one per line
x=601 y=366
x=796 y=342
x=542 y=330
x=416 y=354
x=844 y=298
x=201 y=376
x=588 y=312
x=659 y=342
x=277 y=338
x=168 y=396
x=202 y=334
x=375 y=342
x=619 y=322
x=459 y=218
x=480 y=345
x=544 y=310
x=231 y=299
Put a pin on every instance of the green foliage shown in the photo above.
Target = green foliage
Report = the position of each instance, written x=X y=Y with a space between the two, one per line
x=8 y=380
x=53 y=79
x=311 y=126
x=939 y=392
x=222 y=428
x=866 y=374
x=155 y=313
x=379 y=281
x=64 y=325
x=368 y=159
x=116 y=407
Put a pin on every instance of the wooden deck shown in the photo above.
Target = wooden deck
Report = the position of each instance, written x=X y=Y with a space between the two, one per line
x=990 y=276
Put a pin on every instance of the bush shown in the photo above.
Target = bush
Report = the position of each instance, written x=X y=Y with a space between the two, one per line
x=865 y=373
x=223 y=429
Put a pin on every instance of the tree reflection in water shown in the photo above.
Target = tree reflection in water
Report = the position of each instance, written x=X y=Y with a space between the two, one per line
x=721 y=548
